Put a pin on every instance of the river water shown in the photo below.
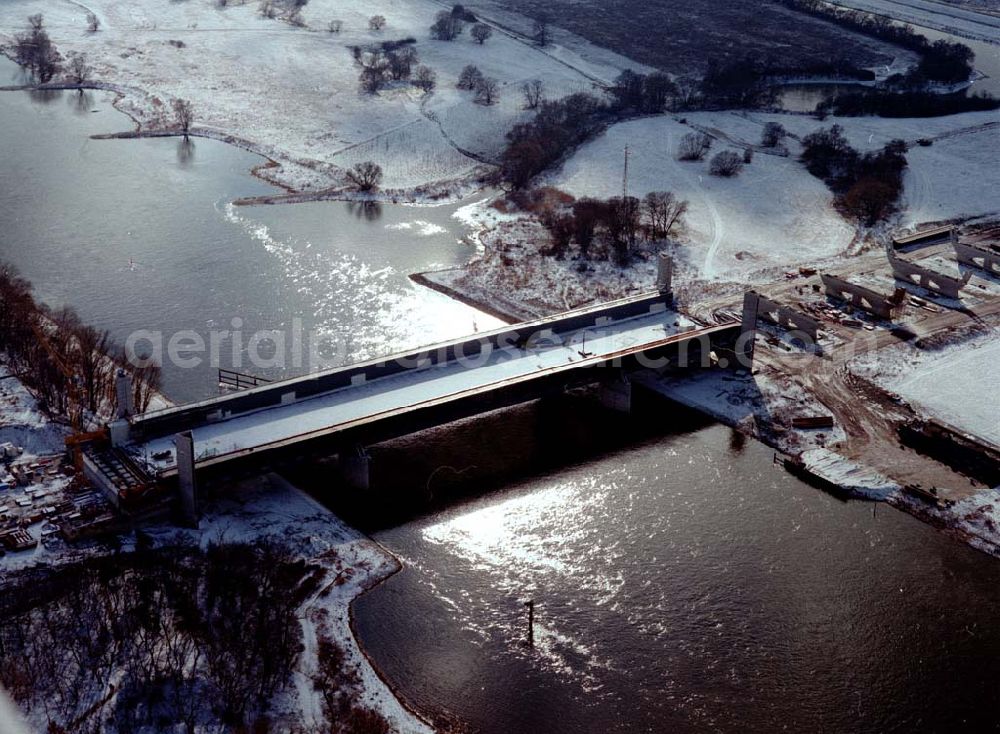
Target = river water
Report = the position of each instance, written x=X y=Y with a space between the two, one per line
x=682 y=583
x=805 y=97
x=140 y=235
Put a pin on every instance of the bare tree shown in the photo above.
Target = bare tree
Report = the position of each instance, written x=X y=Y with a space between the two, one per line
x=487 y=91
x=773 y=134
x=93 y=347
x=93 y=22
x=693 y=147
x=469 y=77
x=335 y=26
x=688 y=91
x=401 y=61
x=663 y=210
x=35 y=50
x=376 y=23
x=561 y=229
x=481 y=32
x=145 y=384
x=540 y=30
x=77 y=70
x=533 y=94
x=294 y=17
x=622 y=223
x=425 y=78
x=657 y=92
x=726 y=163
x=184 y=114
x=365 y=176
x=371 y=80
x=447 y=26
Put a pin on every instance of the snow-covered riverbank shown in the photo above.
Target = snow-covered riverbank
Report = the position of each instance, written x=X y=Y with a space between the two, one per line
x=263 y=509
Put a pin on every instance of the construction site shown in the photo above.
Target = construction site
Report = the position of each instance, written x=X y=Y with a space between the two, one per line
x=44 y=498
x=835 y=350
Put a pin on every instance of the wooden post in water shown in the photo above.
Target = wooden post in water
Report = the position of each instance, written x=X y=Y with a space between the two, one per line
x=531 y=622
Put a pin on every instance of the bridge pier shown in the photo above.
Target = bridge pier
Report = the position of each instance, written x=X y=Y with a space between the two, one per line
x=356 y=468
x=617 y=394
x=123 y=395
x=664 y=273
x=125 y=408
x=186 y=482
x=748 y=330
x=120 y=433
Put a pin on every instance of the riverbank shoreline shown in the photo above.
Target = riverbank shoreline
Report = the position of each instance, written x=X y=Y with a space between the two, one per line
x=394 y=689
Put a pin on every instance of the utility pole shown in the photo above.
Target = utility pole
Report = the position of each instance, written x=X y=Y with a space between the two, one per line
x=625 y=177
x=531 y=621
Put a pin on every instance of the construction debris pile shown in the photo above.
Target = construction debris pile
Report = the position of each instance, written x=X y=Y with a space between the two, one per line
x=41 y=498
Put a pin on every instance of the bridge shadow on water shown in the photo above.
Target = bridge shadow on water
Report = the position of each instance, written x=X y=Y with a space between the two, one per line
x=429 y=471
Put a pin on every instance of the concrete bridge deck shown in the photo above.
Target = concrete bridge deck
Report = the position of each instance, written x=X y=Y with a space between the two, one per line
x=444 y=381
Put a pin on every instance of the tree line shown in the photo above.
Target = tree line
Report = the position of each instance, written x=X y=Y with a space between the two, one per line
x=904 y=104
x=391 y=61
x=559 y=126
x=69 y=365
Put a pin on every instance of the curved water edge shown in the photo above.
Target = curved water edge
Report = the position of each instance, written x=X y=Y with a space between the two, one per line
x=101 y=200
x=351 y=623
x=668 y=587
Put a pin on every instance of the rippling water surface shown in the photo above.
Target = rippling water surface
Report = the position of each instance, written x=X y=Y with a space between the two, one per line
x=141 y=235
x=683 y=585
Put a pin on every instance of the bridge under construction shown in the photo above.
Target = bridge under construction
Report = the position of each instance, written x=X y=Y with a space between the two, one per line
x=345 y=409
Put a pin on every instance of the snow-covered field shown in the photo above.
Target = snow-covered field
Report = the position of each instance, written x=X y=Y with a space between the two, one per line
x=292 y=93
x=951 y=384
x=954 y=178
x=772 y=214
x=775 y=214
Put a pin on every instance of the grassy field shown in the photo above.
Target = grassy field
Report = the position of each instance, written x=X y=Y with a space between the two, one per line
x=681 y=36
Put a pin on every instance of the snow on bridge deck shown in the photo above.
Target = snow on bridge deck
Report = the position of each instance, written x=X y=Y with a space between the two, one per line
x=343 y=407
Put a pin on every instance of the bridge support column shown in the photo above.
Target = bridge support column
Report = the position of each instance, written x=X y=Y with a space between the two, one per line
x=120 y=433
x=120 y=428
x=664 y=273
x=187 y=484
x=748 y=331
x=123 y=395
x=617 y=394
x=356 y=468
